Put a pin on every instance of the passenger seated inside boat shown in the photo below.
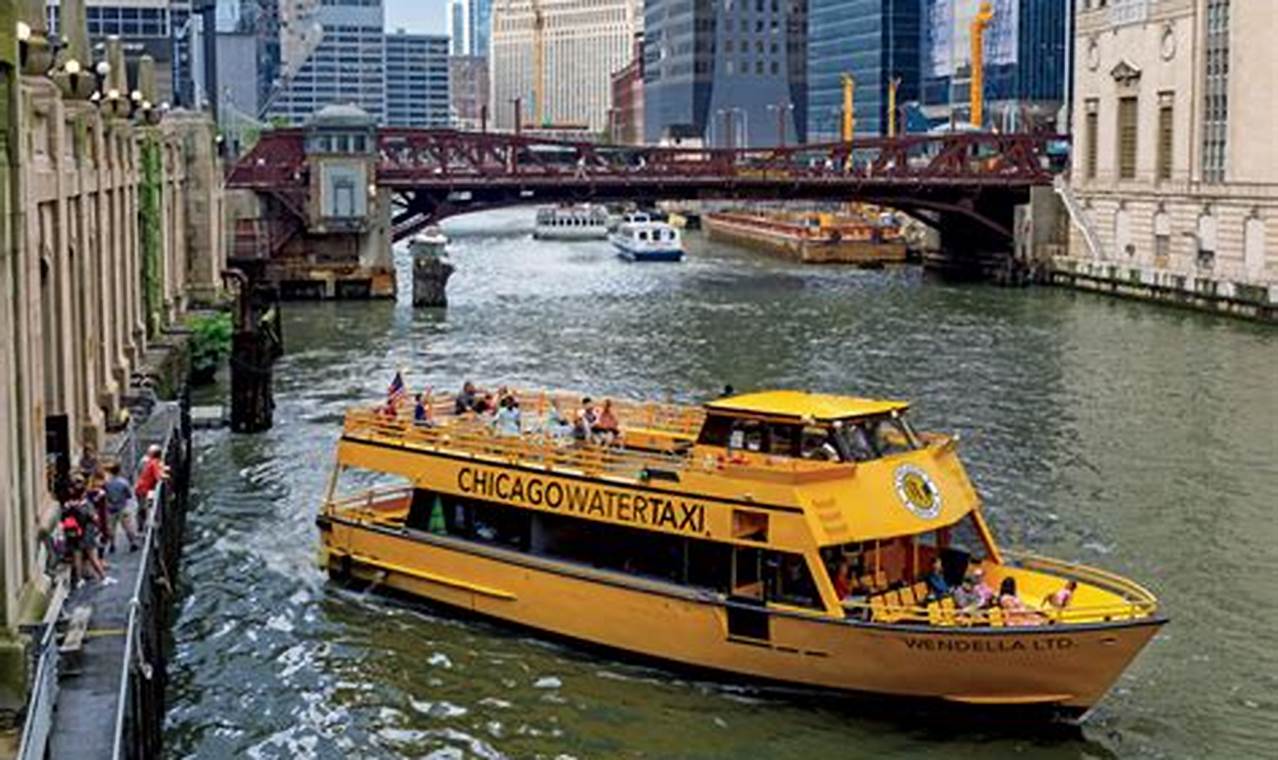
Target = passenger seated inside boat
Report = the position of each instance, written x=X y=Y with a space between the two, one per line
x=972 y=594
x=1060 y=599
x=937 y=587
x=929 y=577
x=1015 y=612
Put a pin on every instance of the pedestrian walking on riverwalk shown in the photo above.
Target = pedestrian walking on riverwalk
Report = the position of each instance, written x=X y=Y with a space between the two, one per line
x=79 y=530
x=122 y=508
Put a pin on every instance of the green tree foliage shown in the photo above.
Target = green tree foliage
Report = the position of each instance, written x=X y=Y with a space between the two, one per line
x=210 y=343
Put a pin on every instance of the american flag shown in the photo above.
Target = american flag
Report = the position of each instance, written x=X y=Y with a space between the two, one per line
x=395 y=393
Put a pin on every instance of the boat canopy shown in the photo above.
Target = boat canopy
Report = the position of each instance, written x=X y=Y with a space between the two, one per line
x=801 y=405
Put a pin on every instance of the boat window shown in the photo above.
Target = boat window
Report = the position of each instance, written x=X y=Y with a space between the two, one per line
x=746 y=434
x=788 y=580
x=817 y=444
x=643 y=235
x=674 y=559
x=876 y=437
x=747 y=572
x=783 y=440
x=715 y=430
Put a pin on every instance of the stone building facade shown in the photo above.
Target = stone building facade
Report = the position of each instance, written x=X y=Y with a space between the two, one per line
x=1174 y=179
x=109 y=231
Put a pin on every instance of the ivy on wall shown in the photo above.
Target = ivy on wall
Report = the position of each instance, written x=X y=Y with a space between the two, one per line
x=150 y=233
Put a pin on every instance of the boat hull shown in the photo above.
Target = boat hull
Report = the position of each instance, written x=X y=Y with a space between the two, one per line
x=570 y=234
x=629 y=253
x=792 y=243
x=1064 y=668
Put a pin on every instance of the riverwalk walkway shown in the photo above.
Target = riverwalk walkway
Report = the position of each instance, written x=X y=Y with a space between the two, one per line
x=103 y=676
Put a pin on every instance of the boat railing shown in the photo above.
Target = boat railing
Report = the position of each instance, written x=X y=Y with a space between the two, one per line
x=1131 y=592
x=371 y=499
x=944 y=613
x=913 y=604
x=539 y=447
x=668 y=417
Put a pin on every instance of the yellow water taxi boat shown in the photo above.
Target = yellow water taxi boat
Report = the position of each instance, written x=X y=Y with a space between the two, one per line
x=783 y=536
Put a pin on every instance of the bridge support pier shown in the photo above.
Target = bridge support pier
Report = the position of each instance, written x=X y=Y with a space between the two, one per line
x=255 y=346
x=430 y=279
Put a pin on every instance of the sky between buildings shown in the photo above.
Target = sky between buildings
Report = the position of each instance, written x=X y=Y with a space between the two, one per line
x=416 y=15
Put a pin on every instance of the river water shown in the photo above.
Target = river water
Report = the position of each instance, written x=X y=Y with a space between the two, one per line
x=1138 y=438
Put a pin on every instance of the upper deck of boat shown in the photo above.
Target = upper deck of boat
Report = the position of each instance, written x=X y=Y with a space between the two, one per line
x=662 y=431
x=655 y=437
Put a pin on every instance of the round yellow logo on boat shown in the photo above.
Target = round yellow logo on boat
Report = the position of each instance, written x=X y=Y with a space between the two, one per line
x=917 y=491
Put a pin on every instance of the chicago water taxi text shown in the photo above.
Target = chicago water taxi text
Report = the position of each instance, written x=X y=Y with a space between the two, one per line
x=612 y=504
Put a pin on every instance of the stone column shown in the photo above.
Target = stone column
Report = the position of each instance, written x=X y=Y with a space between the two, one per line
x=201 y=205
x=87 y=306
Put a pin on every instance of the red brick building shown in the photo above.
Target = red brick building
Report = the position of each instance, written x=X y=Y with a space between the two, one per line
x=625 y=117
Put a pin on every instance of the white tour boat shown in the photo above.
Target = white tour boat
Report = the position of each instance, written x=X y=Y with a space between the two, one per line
x=641 y=239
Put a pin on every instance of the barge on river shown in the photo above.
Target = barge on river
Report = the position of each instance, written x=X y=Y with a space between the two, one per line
x=782 y=536
x=812 y=238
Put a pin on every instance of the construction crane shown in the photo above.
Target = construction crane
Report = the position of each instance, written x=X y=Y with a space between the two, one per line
x=976 y=89
x=893 y=86
x=849 y=116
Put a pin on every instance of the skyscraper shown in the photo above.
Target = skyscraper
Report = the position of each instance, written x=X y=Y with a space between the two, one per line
x=469 y=26
x=416 y=80
x=467 y=90
x=583 y=42
x=873 y=40
x=1025 y=77
x=734 y=72
x=346 y=63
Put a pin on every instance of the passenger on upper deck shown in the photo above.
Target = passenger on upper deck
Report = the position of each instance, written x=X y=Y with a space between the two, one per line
x=421 y=409
x=606 y=427
x=465 y=400
x=583 y=423
x=507 y=421
x=557 y=425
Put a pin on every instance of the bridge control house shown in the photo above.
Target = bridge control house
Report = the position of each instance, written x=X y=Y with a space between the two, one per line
x=332 y=240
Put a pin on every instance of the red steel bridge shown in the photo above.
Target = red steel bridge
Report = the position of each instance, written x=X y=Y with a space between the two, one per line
x=964 y=184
